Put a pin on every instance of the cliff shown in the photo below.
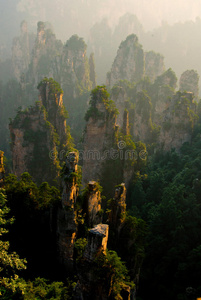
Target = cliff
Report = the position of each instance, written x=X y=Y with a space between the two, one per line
x=154 y=65
x=133 y=64
x=21 y=52
x=45 y=54
x=38 y=133
x=178 y=121
x=2 y=171
x=189 y=82
x=92 y=204
x=129 y=62
x=66 y=215
x=100 y=133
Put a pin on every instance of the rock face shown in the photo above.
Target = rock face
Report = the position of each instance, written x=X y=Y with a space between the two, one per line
x=189 y=81
x=66 y=218
x=154 y=65
x=89 y=285
x=97 y=241
x=129 y=62
x=51 y=96
x=118 y=208
x=178 y=121
x=2 y=171
x=75 y=71
x=36 y=133
x=142 y=124
x=67 y=63
x=100 y=134
x=45 y=54
x=21 y=52
x=92 y=204
x=33 y=140
x=133 y=64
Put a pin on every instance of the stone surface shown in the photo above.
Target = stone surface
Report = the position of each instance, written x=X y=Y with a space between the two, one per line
x=118 y=207
x=35 y=133
x=154 y=65
x=66 y=217
x=178 y=121
x=129 y=62
x=97 y=241
x=21 y=50
x=189 y=81
x=98 y=138
x=92 y=204
x=2 y=171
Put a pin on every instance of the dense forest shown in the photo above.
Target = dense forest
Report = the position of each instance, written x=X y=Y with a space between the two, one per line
x=100 y=159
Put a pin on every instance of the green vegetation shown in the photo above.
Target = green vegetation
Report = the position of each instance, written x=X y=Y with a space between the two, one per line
x=168 y=199
x=114 y=273
x=100 y=95
x=53 y=85
x=75 y=43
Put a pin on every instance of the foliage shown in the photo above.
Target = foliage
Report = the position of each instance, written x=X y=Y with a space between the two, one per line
x=40 y=288
x=10 y=262
x=168 y=199
x=115 y=274
x=100 y=95
x=75 y=43
x=80 y=245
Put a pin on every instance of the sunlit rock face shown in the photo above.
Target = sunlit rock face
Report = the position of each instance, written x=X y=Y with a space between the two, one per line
x=92 y=204
x=89 y=285
x=178 y=121
x=97 y=241
x=189 y=81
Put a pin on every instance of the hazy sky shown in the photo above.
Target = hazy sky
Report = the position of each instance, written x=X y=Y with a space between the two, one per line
x=149 y=12
x=78 y=16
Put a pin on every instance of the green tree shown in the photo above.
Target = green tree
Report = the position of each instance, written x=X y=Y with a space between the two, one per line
x=10 y=262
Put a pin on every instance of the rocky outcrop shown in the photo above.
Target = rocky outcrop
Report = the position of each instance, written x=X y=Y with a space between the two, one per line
x=100 y=132
x=21 y=51
x=34 y=145
x=189 y=82
x=75 y=72
x=92 y=204
x=129 y=62
x=133 y=64
x=2 y=171
x=92 y=70
x=97 y=241
x=66 y=217
x=178 y=121
x=117 y=211
x=154 y=65
x=51 y=96
x=45 y=55
x=125 y=128
x=37 y=134
x=142 y=123
x=89 y=285
x=119 y=96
